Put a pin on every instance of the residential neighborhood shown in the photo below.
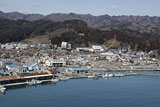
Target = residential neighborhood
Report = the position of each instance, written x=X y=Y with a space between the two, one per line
x=20 y=58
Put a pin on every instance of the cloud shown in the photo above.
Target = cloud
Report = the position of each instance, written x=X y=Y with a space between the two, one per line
x=113 y=7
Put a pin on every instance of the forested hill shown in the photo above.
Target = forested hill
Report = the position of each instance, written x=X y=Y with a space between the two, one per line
x=75 y=32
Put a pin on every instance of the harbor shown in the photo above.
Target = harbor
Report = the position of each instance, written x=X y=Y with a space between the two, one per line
x=112 y=91
x=47 y=77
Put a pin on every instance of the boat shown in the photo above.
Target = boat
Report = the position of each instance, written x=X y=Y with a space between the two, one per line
x=2 y=89
x=64 y=78
x=107 y=75
x=54 y=80
x=119 y=75
x=34 y=82
x=93 y=77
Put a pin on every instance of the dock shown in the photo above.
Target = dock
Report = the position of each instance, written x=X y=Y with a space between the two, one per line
x=21 y=79
x=124 y=70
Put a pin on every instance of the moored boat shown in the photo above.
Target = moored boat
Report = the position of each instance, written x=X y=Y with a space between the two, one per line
x=107 y=75
x=34 y=82
x=119 y=75
x=54 y=80
x=93 y=77
x=2 y=89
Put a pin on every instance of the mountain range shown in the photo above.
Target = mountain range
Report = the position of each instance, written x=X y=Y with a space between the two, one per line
x=143 y=24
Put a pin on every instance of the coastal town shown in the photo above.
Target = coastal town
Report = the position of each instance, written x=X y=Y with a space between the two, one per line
x=22 y=63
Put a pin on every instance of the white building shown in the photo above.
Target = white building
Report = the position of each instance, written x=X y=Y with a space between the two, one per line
x=97 y=48
x=65 y=45
x=56 y=62
x=8 y=46
x=22 y=46
x=84 y=49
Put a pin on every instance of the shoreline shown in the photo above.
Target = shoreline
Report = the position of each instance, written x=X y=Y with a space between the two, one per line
x=45 y=80
x=125 y=70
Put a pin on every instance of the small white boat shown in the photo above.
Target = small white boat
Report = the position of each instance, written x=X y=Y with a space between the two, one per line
x=119 y=75
x=107 y=75
x=54 y=80
x=93 y=77
x=2 y=89
x=34 y=82
x=64 y=78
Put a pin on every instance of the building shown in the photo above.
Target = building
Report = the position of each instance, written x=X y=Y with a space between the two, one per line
x=65 y=45
x=33 y=67
x=22 y=46
x=97 y=48
x=56 y=62
x=17 y=68
x=8 y=46
x=84 y=49
x=4 y=73
x=4 y=62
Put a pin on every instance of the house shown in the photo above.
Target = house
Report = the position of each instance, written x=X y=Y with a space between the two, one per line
x=78 y=70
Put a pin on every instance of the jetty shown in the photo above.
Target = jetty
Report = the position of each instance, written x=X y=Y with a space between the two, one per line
x=121 y=70
x=21 y=79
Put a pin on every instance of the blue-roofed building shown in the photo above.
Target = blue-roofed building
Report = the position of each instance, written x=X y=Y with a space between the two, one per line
x=16 y=68
x=4 y=73
x=78 y=70
x=34 y=67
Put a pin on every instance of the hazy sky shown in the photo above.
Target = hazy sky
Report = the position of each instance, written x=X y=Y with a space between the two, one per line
x=94 y=7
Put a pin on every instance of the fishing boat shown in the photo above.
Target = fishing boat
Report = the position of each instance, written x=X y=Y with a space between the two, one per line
x=119 y=75
x=54 y=80
x=93 y=77
x=2 y=89
x=107 y=75
x=34 y=82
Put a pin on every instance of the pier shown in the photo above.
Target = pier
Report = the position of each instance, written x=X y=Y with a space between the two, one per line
x=121 y=70
x=22 y=79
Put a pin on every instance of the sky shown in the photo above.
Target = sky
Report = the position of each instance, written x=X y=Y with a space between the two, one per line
x=94 y=7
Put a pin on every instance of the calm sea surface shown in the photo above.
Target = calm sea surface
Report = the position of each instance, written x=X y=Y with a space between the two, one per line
x=140 y=91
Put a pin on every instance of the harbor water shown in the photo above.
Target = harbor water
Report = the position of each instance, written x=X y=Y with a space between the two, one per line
x=131 y=91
